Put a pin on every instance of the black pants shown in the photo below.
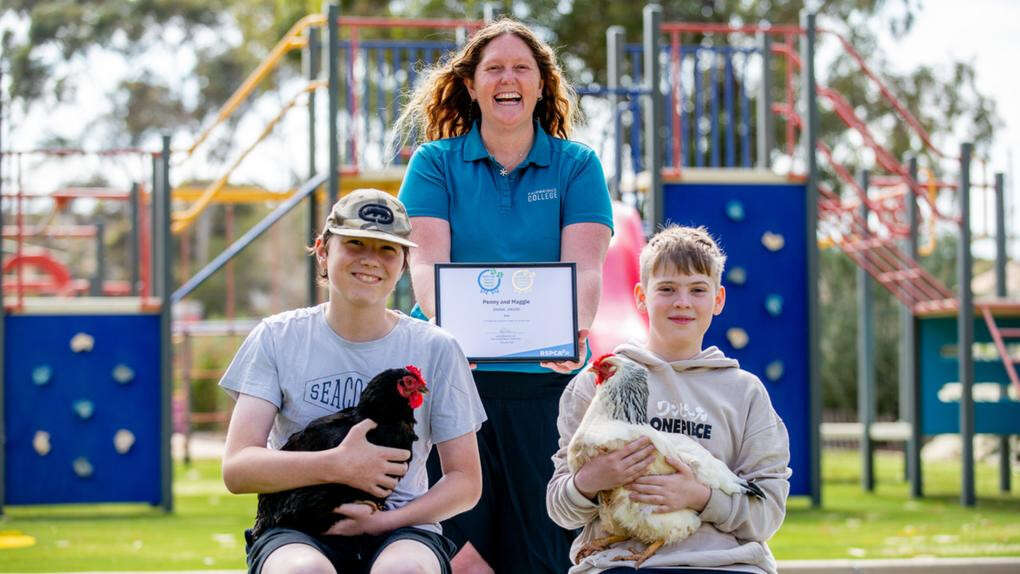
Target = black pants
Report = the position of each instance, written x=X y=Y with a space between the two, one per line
x=510 y=527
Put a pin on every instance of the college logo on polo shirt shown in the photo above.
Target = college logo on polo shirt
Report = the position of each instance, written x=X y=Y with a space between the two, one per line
x=543 y=194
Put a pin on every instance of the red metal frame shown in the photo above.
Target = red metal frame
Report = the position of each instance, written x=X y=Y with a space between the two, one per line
x=61 y=231
x=57 y=284
x=997 y=336
x=431 y=23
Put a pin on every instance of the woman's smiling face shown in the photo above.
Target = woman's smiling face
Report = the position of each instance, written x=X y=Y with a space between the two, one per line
x=506 y=83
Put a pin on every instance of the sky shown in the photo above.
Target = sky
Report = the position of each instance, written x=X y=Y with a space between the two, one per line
x=987 y=34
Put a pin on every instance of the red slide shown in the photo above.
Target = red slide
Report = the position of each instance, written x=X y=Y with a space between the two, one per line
x=618 y=319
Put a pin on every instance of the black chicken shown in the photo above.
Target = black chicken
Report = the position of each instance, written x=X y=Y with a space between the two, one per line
x=389 y=399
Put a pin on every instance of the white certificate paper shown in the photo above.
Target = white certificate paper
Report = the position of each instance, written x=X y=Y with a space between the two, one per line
x=509 y=311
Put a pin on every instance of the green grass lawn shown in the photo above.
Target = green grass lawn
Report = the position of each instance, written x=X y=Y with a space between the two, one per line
x=204 y=532
x=889 y=524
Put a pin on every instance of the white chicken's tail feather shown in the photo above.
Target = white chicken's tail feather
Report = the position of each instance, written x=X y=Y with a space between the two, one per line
x=709 y=470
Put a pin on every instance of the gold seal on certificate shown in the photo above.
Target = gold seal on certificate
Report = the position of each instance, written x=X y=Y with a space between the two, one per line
x=509 y=311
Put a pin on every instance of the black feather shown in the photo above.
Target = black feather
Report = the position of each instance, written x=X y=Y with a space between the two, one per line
x=310 y=508
x=752 y=489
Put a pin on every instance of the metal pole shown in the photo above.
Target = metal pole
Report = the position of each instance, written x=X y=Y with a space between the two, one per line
x=333 y=34
x=185 y=368
x=166 y=352
x=766 y=122
x=3 y=320
x=99 y=276
x=228 y=233
x=965 y=331
x=313 y=65
x=865 y=359
x=910 y=381
x=810 y=141
x=155 y=219
x=1000 y=291
x=134 y=245
x=615 y=40
x=654 y=125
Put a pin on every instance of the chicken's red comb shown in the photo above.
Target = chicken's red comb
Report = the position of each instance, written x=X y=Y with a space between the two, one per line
x=416 y=372
x=599 y=360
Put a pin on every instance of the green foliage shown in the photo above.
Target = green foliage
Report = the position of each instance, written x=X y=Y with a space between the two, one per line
x=838 y=287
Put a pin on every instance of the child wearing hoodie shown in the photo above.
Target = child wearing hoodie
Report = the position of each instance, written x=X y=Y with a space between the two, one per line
x=695 y=391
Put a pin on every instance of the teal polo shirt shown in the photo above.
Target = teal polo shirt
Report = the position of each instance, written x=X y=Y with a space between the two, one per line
x=513 y=218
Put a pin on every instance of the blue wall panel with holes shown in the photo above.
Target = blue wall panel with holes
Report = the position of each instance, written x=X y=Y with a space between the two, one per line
x=995 y=410
x=770 y=304
x=47 y=386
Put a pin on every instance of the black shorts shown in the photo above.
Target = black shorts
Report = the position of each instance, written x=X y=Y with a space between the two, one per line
x=349 y=554
x=510 y=526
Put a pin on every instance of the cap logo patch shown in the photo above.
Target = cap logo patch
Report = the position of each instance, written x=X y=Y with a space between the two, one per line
x=376 y=213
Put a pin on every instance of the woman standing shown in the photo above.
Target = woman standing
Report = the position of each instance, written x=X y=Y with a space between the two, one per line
x=498 y=181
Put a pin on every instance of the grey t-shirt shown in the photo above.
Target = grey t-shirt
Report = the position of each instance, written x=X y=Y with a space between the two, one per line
x=297 y=362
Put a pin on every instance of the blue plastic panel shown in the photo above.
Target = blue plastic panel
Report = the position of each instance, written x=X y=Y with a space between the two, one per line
x=40 y=345
x=940 y=406
x=770 y=305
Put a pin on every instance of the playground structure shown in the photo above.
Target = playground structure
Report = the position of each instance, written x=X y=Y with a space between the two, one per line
x=700 y=165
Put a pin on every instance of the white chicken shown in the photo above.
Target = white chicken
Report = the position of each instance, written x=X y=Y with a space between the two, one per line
x=618 y=415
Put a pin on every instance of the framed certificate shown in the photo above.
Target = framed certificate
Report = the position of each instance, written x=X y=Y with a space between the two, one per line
x=509 y=311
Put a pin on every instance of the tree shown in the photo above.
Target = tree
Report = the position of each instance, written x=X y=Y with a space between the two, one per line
x=46 y=47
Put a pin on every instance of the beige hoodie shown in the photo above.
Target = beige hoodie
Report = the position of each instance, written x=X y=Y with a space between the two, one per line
x=709 y=398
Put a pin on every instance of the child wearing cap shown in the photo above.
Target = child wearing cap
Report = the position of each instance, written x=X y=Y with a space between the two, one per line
x=305 y=363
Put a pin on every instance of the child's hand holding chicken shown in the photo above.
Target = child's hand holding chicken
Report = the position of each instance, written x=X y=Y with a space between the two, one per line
x=615 y=468
x=670 y=492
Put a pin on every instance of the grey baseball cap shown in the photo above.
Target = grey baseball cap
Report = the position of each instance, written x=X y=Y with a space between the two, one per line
x=370 y=213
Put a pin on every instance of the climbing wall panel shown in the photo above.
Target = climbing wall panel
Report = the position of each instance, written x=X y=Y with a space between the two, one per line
x=82 y=408
x=761 y=228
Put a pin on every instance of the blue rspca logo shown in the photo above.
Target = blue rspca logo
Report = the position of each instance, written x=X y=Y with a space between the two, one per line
x=489 y=281
x=543 y=194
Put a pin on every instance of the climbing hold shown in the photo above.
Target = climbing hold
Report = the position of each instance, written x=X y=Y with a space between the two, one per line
x=41 y=443
x=737 y=276
x=82 y=467
x=42 y=374
x=774 y=304
x=83 y=408
x=773 y=241
x=123 y=440
x=123 y=374
x=737 y=337
x=82 y=342
x=774 y=370
x=735 y=210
